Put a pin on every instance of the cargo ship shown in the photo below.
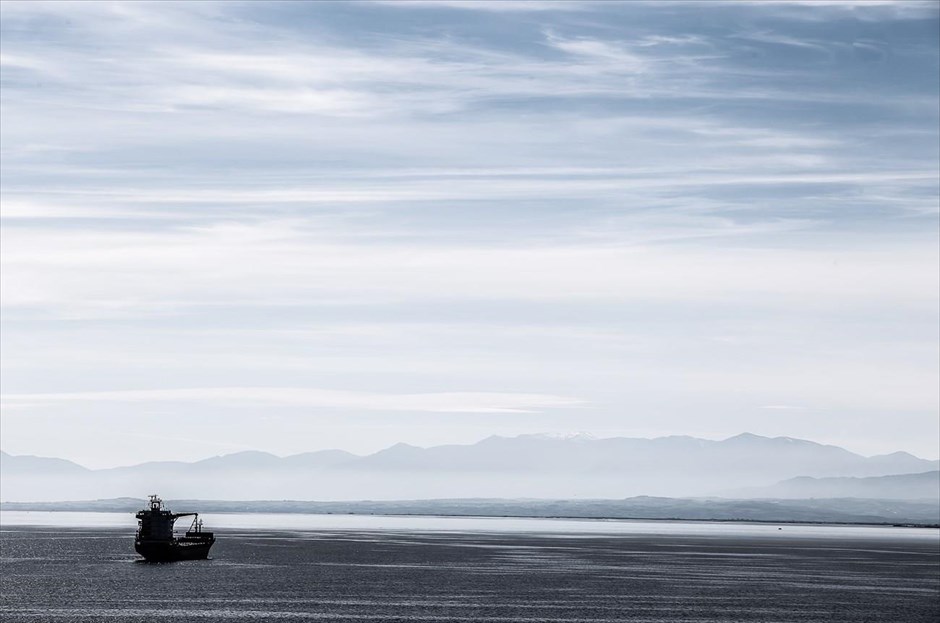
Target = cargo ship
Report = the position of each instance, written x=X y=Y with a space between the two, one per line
x=156 y=541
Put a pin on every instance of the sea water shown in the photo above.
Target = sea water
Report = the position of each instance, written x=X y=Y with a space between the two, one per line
x=82 y=567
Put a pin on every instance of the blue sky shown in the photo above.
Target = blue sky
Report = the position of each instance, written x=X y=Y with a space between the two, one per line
x=293 y=226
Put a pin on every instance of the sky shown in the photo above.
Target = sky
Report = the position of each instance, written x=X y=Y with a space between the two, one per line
x=295 y=226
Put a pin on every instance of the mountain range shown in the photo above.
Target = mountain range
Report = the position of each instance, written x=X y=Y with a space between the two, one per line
x=526 y=466
x=925 y=485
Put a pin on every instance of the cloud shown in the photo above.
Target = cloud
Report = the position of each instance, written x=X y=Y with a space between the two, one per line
x=447 y=402
x=614 y=56
x=505 y=188
x=665 y=213
x=284 y=263
x=230 y=71
x=497 y=6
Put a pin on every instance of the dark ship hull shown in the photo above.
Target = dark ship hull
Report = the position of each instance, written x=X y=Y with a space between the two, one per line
x=156 y=541
x=172 y=551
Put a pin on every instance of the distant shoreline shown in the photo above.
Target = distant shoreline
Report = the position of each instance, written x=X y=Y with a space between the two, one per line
x=546 y=517
x=845 y=512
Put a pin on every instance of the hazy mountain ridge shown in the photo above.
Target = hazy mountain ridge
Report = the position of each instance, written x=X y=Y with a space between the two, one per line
x=33 y=465
x=547 y=453
x=536 y=466
x=925 y=485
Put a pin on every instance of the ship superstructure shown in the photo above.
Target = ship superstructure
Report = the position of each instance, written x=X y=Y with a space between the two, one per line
x=157 y=542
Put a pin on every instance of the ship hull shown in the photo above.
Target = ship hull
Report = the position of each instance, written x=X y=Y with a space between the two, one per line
x=171 y=551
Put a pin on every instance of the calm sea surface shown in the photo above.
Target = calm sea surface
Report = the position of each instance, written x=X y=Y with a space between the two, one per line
x=82 y=567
